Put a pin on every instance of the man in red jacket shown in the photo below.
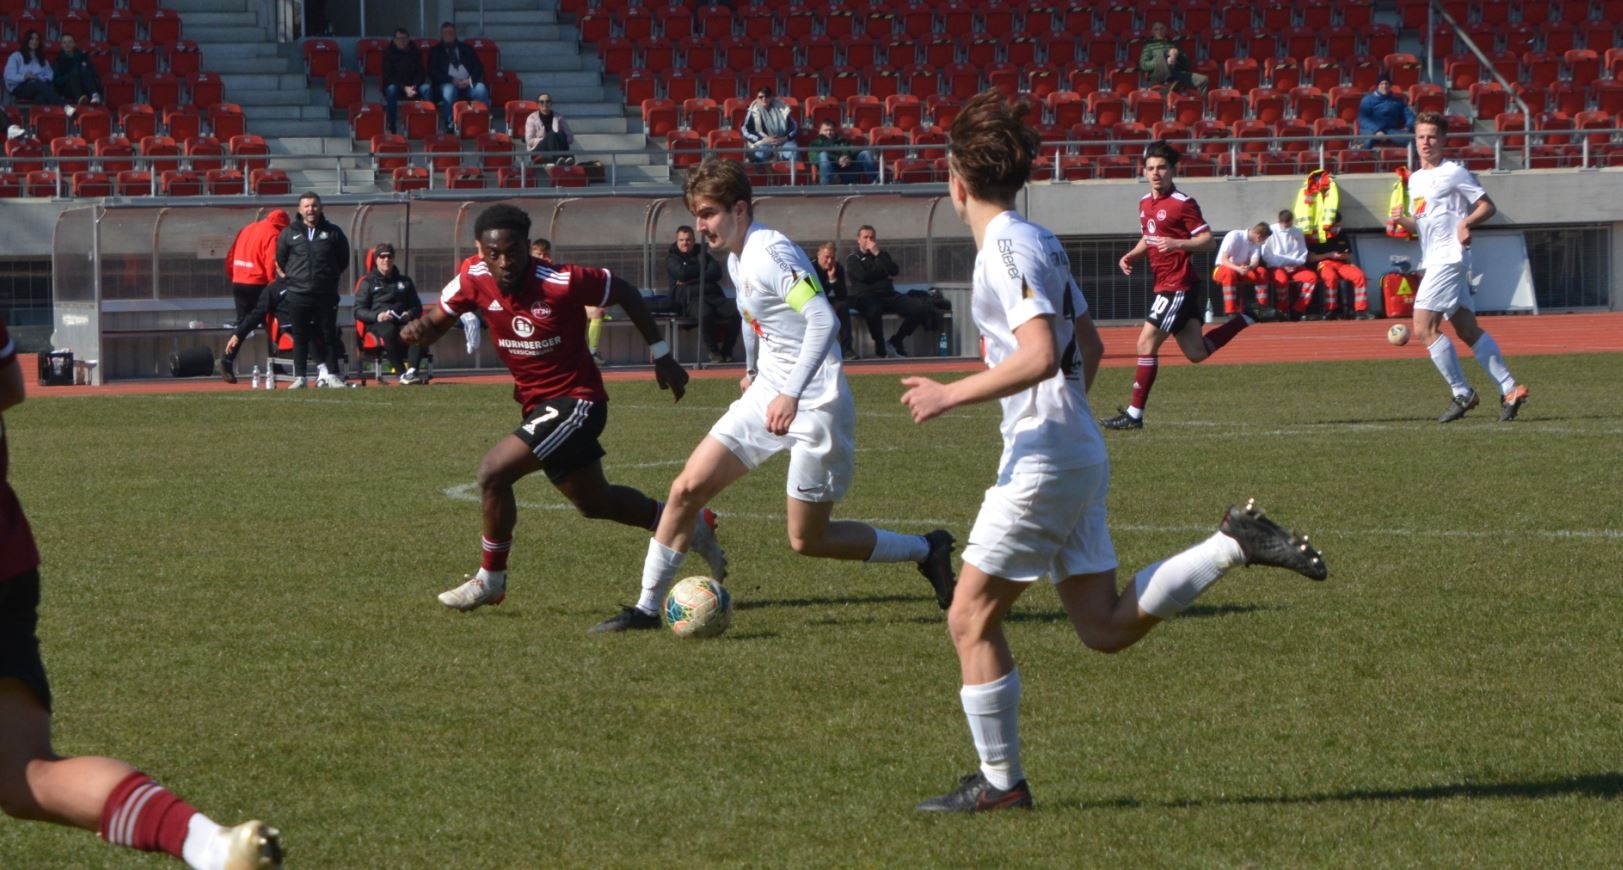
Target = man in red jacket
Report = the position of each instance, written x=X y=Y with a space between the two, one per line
x=250 y=266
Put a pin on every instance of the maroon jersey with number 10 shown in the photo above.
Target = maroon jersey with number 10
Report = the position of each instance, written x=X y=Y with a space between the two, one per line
x=1175 y=216
x=18 y=555
x=540 y=332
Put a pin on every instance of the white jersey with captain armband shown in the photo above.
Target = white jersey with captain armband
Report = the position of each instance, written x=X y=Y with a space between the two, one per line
x=1022 y=272
x=775 y=280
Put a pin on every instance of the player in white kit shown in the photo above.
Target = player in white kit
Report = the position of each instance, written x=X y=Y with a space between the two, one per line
x=1447 y=203
x=1046 y=514
x=795 y=399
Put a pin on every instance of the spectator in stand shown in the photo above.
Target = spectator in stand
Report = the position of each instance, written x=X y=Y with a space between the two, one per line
x=837 y=159
x=28 y=76
x=873 y=295
x=74 y=76
x=696 y=286
x=251 y=265
x=403 y=75
x=1239 y=261
x=386 y=300
x=1165 y=63
x=1285 y=255
x=312 y=255
x=547 y=135
x=770 y=128
x=831 y=275
x=1333 y=259
x=455 y=71
x=1383 y=113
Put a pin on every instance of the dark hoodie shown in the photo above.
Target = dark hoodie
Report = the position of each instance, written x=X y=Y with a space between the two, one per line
x=684 y=270
x=376 y=293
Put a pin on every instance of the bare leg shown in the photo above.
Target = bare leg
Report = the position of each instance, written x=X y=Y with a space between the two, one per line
x=38 y=784
x=710 y=469
x=504 y=465
x=813 y=533
x=597 y=499
x=975 y=622
x=1104 y=619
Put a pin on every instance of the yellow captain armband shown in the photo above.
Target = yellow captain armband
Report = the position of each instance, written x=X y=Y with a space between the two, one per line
x=802 y=292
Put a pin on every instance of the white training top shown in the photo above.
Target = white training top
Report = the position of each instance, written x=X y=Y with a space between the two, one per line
x=1239 y=248
x=1439 y=199
x=1022 y=272
x=1286 y=247
x=775 y=281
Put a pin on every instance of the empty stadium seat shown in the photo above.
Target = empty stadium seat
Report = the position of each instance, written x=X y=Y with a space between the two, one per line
x=250 y=151
x=204 y=153
x=321 y=56
x=180 y=182
x=225 y=182
x=389 y=151
x=115 y=154
x=405 y=178
x=134 y=182
x=88 y=184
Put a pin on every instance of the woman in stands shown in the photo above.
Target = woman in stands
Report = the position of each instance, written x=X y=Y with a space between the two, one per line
x=28 y=77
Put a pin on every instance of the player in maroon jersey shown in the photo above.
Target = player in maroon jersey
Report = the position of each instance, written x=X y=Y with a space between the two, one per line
x=97 y=794
x=536 y=314
x=1172 y=229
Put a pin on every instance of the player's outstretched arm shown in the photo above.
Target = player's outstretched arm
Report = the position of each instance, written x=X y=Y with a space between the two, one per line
x=427 y=329
x=667 y=371
x=1034 y=360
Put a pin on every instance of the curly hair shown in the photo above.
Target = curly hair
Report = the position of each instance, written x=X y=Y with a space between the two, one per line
x=502 y=217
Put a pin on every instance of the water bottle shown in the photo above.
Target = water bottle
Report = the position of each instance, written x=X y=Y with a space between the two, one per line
x=941 y=343
x=256 y=377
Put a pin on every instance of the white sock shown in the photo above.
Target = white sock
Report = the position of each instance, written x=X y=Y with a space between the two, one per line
x=993 y=710
x=321 y=370
x=1448 y=364
x=1167 y=587
x=491 y=576
x=1135 y=413
x=893 y=547
x=658 y=570
x=1493 y=362
x=204 y=848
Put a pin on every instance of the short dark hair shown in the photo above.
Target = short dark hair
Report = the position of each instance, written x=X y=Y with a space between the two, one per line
x=867 y=228
x=309 y=194
x=401 y=31
x=544 y=244
x=1164 y=150
x=1263 y=228
x=1286 y=214
x=382 y=248
x=502 y=217
x=993 y=146
x=684 y=229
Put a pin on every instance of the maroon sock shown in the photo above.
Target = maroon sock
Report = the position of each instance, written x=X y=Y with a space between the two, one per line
x=495 y=558
x=1222 y=335
x=659 y=511
x=145 y=816
x=1143 y=379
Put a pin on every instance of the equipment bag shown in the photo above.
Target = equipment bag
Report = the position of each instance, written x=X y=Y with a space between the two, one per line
x=1399 y=288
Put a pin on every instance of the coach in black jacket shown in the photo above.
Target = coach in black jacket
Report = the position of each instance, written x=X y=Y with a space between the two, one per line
x=873 y=295
x=385 y=300
x=685 y=263
x=313 y=254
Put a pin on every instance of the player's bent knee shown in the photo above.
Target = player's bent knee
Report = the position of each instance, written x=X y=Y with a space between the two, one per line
x=1102 y=638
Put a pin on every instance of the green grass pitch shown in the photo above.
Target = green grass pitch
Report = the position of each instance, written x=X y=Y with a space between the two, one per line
x=239 y=598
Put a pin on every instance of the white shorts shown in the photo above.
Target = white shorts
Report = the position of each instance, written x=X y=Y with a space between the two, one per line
x=820 y=442
x=1446 y=288
x=1044 y=523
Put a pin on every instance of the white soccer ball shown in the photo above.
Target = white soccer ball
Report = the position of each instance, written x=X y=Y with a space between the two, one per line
x=1398 y=334
x=698 y=607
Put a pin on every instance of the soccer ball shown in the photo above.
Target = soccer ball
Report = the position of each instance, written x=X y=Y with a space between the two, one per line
x=1398 y=334
x=698 y=607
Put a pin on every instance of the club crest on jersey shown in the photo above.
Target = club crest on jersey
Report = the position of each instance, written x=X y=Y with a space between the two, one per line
x=1160 y=214
x=522 y=327
x=540 y=310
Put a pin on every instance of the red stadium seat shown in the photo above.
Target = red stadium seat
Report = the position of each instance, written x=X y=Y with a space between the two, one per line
x=134 y=182
x=227 y=120
x=409 y=178
x=495 y=151
x=90 y=184
x=419 y=118
x=389 y=151
x=116 y=154
x=206 y=88
x=160 y=154
x=344 y=88
x=365 y=121
x=321 y=56
x=444 y=151
x=1427 y=97
x=1338 y=133
x=568 y=176
x=225 y=182
x=471 y=118
x=1146 y=106
x=250 y=151
x=180 y=182
x=204 y=153
x=185 y=58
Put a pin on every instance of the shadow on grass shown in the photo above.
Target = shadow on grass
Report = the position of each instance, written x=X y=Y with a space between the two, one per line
x=1047 y=616
x=1597 y=785
x=754 y=603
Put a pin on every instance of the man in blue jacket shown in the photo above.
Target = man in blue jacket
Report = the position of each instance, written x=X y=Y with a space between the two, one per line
x=1383 y=113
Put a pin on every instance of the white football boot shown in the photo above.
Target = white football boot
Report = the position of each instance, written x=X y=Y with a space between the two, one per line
x=253 y=846
x=476 y=592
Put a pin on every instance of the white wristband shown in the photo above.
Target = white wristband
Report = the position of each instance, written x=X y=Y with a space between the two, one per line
x=659 y=349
